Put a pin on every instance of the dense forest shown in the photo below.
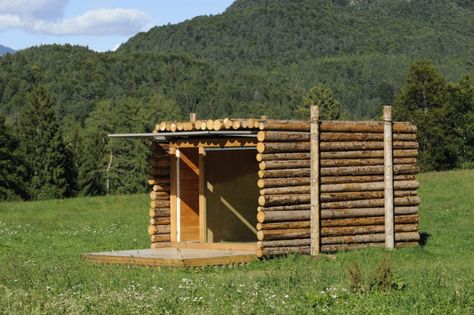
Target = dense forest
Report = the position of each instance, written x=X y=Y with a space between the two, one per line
x=258 y=57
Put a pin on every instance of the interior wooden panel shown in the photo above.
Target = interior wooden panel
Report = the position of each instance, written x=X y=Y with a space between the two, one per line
x=189 y=194
x=231 y=195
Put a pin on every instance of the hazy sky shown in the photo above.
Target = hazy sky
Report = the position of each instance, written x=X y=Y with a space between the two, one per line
x=100 y=24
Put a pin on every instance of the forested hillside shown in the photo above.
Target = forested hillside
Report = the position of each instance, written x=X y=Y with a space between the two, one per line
x=259 y=57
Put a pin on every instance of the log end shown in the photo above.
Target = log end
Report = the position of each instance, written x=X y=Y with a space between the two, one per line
x=260 y=147
x=261 y=201
x=152 y=229
x=261 y=217
x=261 y=183
x=260 y=235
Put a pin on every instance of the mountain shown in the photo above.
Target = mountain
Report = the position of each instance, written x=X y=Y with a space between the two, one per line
x=4 y=50
x=361 y=49
x=258 y=57
x=253 y=32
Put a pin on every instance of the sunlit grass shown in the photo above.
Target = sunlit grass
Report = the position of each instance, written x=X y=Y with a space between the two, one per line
x=41 y=270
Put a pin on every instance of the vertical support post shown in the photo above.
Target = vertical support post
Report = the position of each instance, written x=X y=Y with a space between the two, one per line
x=173 y=193
x=388 y=177
x=178 y=196
x=315 y=207
x=202 y=196
x=192 y=117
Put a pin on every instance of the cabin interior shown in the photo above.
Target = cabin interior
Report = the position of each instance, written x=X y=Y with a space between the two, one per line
x=214 y=193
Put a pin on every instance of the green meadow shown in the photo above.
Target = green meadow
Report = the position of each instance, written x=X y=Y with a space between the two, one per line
x=41 y=270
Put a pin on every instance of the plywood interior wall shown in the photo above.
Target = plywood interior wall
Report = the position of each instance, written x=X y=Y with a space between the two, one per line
x=231 y=195
x=189 y=194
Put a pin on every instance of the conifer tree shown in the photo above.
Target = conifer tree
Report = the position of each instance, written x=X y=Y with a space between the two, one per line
x=322 y=96
x=47 y=157
x=420 y=101
x=12 y=168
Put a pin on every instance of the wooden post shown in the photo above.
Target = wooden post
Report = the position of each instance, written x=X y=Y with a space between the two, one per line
x=388 y=178
x=192 y=117
x=173 y=191
x=202 y=197
x=315 y=220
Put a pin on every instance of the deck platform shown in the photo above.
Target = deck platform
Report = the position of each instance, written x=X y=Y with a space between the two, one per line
x=174 y=256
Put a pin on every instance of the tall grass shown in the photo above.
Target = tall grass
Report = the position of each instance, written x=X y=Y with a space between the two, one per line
x=41 y=270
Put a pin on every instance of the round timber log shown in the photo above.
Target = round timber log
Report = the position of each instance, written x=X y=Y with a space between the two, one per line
x=370 y=203
x=371 y=186
x=282 y=182
x=399 y=219
x=282 y=136
x=158 y=229
x=365 y=212
x=162 y=212
x=360 y=136
x=361 y=179
x=159 y=204
x=365 y=229
x=358 y=154
x=364 y=126
x=283 y=156
x=365 y=145
x=161 y=187
x=165 y=237
x=278 y=200
x=368 y=238
x=284 y=208
x=283 y=225
x=280 y=147
x=289 y=173
x=284 y=243
x=283 y=216
x=282 y=234
x=285 y=190
x=160 y=221
x=359 y=195
x=284 y=125
x=159 y=195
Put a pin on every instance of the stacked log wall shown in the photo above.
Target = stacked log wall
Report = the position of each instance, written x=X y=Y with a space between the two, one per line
x=351 y=186
x=159 y=211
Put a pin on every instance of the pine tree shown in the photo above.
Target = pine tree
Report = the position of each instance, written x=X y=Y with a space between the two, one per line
x=322 y=96
x=425 y=101
x=48 y=159
x=12 y=168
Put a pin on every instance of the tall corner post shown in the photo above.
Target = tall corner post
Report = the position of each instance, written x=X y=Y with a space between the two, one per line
x=388 y=178
x=315 y=206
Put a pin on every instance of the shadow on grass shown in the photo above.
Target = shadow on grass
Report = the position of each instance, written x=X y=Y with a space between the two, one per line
x=424 y=236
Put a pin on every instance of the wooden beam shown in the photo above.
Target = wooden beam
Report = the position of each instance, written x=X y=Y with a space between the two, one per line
x=314 y=144
x=202 y=197
x=173 y=182
x=388 y=178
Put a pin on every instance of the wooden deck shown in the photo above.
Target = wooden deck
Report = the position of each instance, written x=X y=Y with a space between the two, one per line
x=175 y=256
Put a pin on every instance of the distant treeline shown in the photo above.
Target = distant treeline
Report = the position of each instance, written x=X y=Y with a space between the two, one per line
x=269 y=57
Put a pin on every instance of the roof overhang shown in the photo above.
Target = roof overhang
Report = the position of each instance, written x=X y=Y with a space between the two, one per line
x=169 y=136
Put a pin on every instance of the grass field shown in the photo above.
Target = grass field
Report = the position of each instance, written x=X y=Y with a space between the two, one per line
x=41 y=270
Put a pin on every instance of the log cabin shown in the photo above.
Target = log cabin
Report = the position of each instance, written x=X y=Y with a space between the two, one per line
x=236 y=190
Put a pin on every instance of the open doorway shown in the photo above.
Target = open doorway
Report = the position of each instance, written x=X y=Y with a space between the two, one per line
x=216 y=195
x=231 y=195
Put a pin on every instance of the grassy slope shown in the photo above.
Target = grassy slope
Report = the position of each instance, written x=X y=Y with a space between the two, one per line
x=40 y=269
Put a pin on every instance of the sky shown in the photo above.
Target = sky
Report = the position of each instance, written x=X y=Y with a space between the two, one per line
x=99 y=24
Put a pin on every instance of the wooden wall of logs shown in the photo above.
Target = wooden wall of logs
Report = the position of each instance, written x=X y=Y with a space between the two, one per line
x=351 y=184
x=159 y=212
